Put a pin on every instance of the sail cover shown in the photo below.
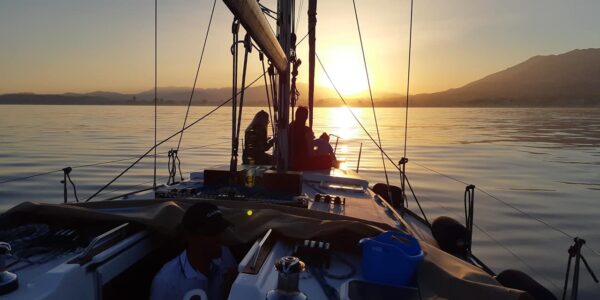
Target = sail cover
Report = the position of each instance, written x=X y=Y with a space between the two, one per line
x=255 y=23
x=440 y=275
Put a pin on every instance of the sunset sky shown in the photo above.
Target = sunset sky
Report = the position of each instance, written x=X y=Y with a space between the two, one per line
x=88 y=45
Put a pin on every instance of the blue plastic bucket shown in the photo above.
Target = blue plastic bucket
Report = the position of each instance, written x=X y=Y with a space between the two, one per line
x=390 y=258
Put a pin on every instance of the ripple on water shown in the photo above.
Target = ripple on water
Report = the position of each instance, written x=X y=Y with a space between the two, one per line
x=545 y=163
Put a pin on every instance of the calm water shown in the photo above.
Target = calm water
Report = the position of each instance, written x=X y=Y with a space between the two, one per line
x=545 y=162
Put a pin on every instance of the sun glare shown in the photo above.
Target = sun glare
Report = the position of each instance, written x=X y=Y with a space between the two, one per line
x=342 y=123
x=344 y=66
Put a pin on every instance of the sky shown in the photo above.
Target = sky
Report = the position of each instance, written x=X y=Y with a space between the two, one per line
x=61 y=46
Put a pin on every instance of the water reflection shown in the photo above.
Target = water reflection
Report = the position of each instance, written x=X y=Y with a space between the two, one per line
x=544 y=161
x=340 y=121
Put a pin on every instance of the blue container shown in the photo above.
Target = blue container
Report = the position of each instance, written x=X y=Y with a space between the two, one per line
x=390 y=258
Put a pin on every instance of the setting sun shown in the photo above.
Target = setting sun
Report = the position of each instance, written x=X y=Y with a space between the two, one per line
x=344 y=66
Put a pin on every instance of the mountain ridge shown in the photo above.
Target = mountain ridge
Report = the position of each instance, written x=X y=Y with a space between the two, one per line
x=567 y=79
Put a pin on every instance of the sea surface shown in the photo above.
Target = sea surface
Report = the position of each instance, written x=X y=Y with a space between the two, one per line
x=537 y=171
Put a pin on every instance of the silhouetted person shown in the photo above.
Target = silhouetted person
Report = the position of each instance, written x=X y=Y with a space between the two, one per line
x=322 y=146
x=204 y=264
x=256 y=141
x=300 y=141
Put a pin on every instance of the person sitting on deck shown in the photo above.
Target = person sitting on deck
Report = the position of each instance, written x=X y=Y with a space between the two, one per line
x=256 y=142
x=322 y=146
x=204 y=264
x=300 y=143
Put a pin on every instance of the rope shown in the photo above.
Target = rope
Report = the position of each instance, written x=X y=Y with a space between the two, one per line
x=362 y=48
x=74 y=188
x=155 y=83
x=167 y=139
x=469 y=202
x=197 y=72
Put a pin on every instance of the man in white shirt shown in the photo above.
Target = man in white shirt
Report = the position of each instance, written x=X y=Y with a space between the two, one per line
x=205 y=264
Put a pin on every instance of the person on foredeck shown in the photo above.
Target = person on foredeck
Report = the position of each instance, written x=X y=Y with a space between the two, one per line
x=301 y=145
x=256 y=141
x=322 y=146
x=205 y=264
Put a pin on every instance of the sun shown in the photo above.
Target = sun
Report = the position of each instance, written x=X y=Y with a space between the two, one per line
x=345 y=68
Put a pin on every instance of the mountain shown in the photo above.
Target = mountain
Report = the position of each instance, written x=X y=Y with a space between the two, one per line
x=254 y=96
x=568 y=79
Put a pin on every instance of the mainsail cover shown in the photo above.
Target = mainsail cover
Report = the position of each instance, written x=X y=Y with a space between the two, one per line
x=251 y=16
x=440 y=275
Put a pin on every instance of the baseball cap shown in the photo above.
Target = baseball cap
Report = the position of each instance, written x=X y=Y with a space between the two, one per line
x=204 y=218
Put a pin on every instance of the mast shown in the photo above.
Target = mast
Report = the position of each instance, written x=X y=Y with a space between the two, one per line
x=312 y=24
x=278 y=50
x=284 y=21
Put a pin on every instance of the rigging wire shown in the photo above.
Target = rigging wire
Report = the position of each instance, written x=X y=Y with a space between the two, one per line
x=524 y=213
x=442 y=174
x=29 y=176
x=167 y=139
x=262 y=60
x=15 y=179
x=490 y=237
x=197 y=72
x=106 y=193
x=155 y=83
x=362 y=48
x=247 y=50
x=352 y=112
x=234 y=52
x=134 y=186
x=302 y=39
x=408 y=76
x=298 y=16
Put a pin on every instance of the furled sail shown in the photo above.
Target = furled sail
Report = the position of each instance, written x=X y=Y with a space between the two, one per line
x=253 y=20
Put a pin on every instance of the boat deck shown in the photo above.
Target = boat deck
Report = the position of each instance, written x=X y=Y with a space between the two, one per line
x=75 y=274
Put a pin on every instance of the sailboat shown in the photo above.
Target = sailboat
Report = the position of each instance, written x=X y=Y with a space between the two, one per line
x=319 y=234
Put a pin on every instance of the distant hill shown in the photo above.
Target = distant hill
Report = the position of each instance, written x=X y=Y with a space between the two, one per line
x=569 y=79
x=254 y=96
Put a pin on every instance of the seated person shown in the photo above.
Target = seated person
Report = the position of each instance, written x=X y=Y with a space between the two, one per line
x=256 y=143
x=204 y=264
x=322 y=146
x=300 y=143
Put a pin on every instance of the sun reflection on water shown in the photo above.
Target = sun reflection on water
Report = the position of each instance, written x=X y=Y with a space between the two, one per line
x=342 y=123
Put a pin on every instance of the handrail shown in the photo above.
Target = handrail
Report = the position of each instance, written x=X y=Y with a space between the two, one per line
x=98 y=241
x=260 y=245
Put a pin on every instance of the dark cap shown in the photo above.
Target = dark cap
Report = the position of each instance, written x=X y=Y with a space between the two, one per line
x=205 y=219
